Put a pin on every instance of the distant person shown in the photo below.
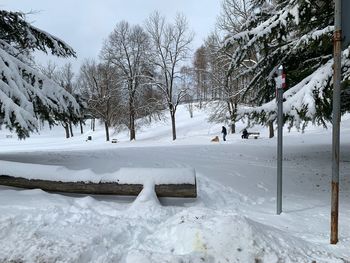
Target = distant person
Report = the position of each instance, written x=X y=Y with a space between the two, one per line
x=245 y=134
x=224 y=133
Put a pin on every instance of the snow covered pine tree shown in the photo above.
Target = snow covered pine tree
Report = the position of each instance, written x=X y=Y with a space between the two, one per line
x=26 y=96
x=298 y=35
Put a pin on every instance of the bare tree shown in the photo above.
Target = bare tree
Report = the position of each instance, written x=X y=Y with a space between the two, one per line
x=227 y=82
x=233 y=14
x=50 y=70
x=188 y=84
x=63 y=76
x=127 y=48
x=200 y=65
x=99 y=85
x=171 y=44
x=221 y=81
x=151 y=104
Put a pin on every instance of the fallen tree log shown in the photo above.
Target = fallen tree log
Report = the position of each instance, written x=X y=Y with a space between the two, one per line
x=168 y=182
x=110 y=188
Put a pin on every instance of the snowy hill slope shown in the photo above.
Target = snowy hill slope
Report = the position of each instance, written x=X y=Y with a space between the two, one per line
x=232 y=220
x=194 y=130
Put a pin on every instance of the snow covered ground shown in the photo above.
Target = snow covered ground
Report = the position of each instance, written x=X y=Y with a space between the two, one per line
x=232 y=220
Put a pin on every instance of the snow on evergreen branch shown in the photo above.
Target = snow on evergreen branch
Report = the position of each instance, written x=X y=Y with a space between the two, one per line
x=15 y=29
x=23 y=90
x=302 y=96
x=313 y=35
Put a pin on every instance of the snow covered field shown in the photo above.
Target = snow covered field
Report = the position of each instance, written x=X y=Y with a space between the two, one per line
x=232 y=220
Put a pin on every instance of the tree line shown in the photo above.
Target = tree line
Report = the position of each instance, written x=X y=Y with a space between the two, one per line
x=137 y=76
x=237 y=64
x=143 y=69
x=260 y=36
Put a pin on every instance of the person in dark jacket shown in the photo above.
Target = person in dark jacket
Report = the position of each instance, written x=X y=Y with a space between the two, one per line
x=224 y=133
x=245 y=134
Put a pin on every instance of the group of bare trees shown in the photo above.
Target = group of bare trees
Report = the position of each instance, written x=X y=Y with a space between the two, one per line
x=98 y=86
x=126 y=50
x=211 y=71
x=64 y=76
x=213 y=82
x=137 y=74
x=140 y=72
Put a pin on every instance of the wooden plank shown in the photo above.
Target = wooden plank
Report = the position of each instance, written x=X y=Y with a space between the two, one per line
x=162 y=190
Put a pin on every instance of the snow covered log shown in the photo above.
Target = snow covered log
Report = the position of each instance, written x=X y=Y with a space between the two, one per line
x=162 y=190
x=168 y=182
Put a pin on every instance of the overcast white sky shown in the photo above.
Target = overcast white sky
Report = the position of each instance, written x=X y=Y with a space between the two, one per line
x=84 y=24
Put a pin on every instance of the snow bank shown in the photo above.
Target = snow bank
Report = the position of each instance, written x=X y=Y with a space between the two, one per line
x=122 y=176
x=232 y=220
x=65 y=229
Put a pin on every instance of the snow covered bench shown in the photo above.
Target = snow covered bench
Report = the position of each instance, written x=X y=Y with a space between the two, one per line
x=255 y=135
x=168 y=182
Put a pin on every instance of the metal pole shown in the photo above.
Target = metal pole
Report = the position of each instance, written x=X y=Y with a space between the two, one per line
x=279 y=140
x=336 y=123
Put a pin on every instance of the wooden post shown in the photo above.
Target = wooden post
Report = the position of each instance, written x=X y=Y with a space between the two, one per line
x=336 y=123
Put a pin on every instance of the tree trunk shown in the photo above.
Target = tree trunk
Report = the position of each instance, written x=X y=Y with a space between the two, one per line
x=81 y=127
x=71 y=129
x=93 y=124
x=271 y=130
x=190 y=108
x=233 y=128
x=66 y=129
x=107 y=131
x=234 y=116
x=132 y=120
x=132 y=130
x=232 y=106
x=173 y=127
x=233 y=121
